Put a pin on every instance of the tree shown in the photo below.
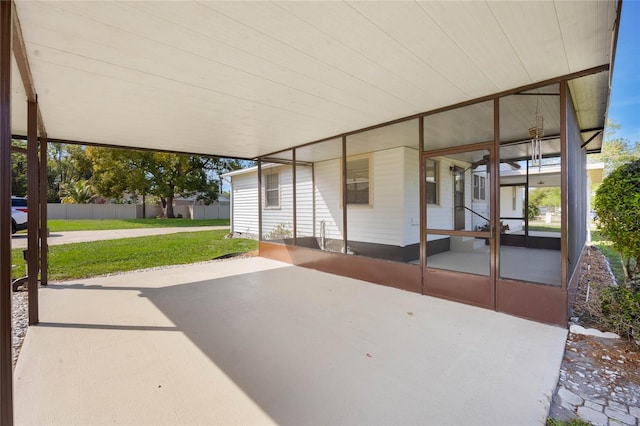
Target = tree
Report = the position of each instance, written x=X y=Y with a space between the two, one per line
x=544 y=197
x=617 y=204
x=66 y=164
x=18 y=170
x=79 y=192
x=616 y=151
x=141 y=173
x=533 y=211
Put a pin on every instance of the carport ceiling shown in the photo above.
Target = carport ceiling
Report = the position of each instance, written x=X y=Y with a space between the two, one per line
x=243 y=79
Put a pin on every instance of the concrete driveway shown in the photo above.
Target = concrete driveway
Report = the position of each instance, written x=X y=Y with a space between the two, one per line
x=55 y=238
x=254 y=341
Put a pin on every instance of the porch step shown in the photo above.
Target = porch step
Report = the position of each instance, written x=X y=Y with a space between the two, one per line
x=468 y=244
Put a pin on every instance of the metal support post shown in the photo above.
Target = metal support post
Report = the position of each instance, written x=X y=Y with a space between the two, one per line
x=33 y=204
x=6 y=362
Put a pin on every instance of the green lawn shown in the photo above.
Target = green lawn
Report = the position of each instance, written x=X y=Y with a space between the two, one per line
x=83 y=260
x=606 y=247
x=58 y=225
x=543 y=228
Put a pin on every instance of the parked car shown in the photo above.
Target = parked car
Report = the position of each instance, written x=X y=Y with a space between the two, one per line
x=18 y=214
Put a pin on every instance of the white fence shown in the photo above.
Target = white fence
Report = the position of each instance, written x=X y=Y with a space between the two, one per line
x=134 y=211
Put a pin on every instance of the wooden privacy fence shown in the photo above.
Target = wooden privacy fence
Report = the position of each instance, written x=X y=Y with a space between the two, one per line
x=217 y=210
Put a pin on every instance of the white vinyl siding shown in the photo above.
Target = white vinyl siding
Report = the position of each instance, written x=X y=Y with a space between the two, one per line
x=393 y=219
x=245 y=203
x=506 y=206
x=327 y=193
x=276 y=220
x=411 y=196
x=381 y=223
x=304 y=199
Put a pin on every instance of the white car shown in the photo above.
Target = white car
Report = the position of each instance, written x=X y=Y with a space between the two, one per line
x=18 y=214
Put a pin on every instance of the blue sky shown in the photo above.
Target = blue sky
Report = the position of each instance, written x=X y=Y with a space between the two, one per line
x=624 y=105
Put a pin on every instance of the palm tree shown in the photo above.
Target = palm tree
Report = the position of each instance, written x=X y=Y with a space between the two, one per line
x=79 y=192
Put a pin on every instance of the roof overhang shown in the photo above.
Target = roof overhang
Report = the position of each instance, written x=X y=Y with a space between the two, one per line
x=243 y=79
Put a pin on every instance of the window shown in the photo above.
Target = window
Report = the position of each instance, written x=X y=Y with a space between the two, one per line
x=272 y=190
x=431 y=186
x=514 y=193
x=358 y=181
x=479 y=187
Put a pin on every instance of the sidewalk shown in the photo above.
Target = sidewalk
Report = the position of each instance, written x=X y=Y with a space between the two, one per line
x=19 y=241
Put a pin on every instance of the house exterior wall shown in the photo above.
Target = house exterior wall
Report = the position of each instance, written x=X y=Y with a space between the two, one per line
x=382 y=221
x=392 y=218
x=278 y=221
x=506 y=206
x=244 y=204
x=327 y=198
x=411 y=195
x=441 y=215
x=304 y=201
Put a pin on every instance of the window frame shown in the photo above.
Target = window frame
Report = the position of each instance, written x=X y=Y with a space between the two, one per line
x=479 y=189
x=345 y=187
x=436 y=183
x=266 y=176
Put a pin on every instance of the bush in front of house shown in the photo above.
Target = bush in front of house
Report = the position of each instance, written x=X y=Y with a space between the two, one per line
x=621 y=310
x=617 y=206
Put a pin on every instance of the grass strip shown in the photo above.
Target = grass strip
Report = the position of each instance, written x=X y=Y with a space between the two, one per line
x=83 y=260
x=542 y=228
x=60 y=225
x=606 y=247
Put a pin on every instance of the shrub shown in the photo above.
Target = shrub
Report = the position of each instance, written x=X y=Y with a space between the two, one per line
x=617 y=204
x=621 y=310
x=280 y=231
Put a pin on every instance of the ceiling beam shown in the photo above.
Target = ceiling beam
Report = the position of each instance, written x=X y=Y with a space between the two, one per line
x=134 y=148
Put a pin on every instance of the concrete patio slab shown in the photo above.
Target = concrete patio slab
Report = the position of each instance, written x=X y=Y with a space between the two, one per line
x=57 y=238
x=253 y=341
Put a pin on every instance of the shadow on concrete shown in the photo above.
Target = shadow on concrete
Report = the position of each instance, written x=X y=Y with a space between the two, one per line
x=314 y=348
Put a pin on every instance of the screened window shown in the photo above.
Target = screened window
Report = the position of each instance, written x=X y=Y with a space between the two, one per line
x=432 y=181
x=358 y=181
x=272 y=190
x=514 y=196
x=479 y=187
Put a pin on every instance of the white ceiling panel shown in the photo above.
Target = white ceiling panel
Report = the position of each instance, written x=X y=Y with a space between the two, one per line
x=18 y=102
x=533 y=31
x=243 y=79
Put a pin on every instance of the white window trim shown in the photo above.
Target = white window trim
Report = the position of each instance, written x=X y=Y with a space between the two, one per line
x=266 y=190
x=437 y=176
x=368 y=156
x=482 y=185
